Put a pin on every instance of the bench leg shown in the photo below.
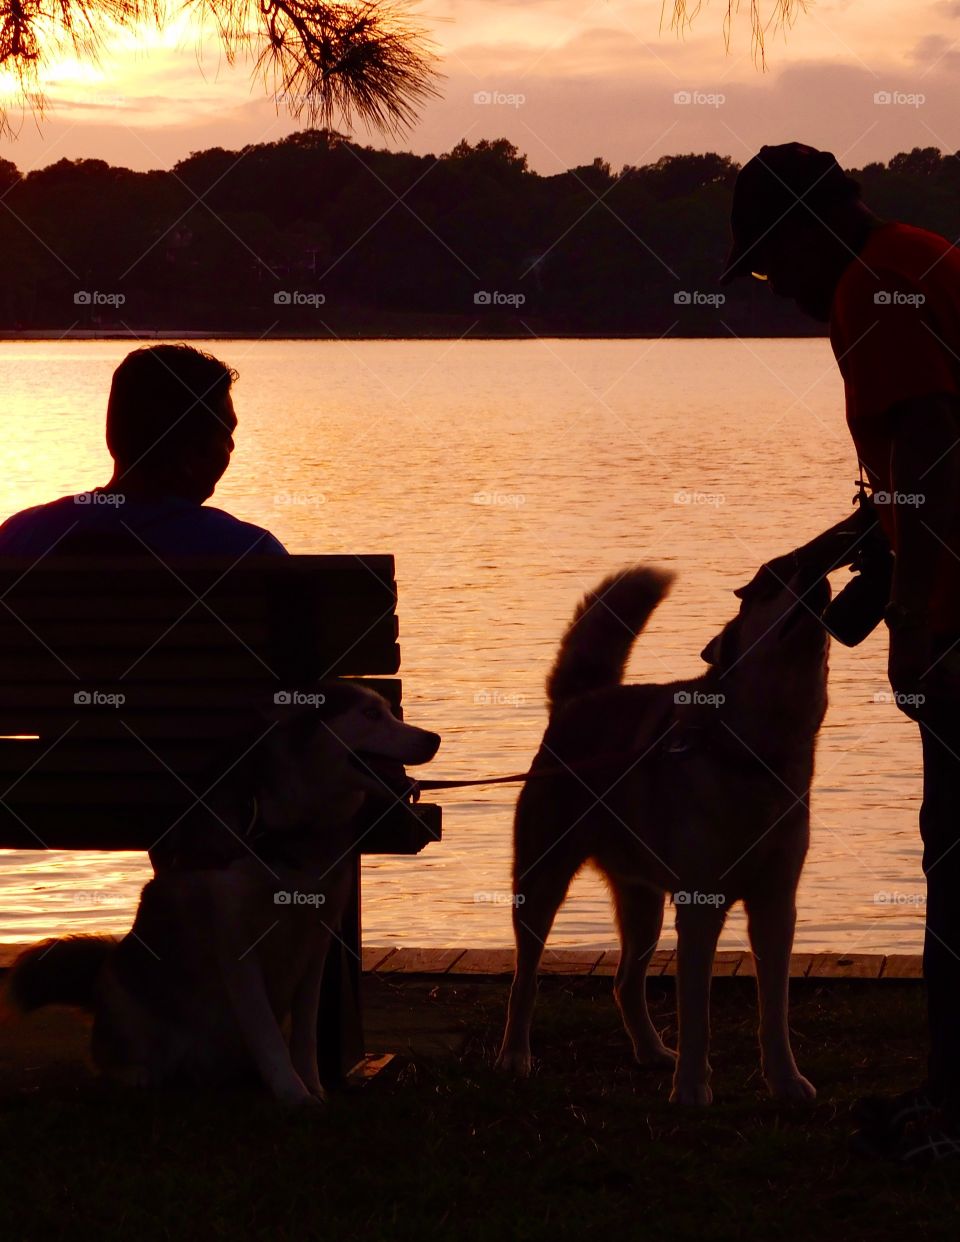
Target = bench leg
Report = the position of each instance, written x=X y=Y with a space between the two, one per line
x=340 y=1044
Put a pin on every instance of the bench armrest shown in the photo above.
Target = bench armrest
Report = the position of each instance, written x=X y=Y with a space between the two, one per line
x=404 y=828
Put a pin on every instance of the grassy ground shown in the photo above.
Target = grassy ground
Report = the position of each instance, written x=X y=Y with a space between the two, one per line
x=446 y=1148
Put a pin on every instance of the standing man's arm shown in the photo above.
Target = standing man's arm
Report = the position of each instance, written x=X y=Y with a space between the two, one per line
x=841 y=544
x=833 y=549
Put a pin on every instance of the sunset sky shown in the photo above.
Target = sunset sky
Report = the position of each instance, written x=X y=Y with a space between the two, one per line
x=590 y=77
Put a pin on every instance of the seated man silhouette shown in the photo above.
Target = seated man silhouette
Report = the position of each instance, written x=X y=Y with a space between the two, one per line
x=170 y=424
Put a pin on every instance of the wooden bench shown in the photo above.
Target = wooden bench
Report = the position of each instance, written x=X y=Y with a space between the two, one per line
x=122 y=678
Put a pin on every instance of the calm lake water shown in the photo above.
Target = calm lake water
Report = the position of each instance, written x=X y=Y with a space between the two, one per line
x=507 y=478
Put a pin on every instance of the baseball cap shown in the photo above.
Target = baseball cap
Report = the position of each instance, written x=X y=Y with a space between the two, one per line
x=777 y=181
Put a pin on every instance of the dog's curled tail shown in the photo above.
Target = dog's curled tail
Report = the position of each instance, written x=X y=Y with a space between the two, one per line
x=56 y=972
x=594 y=650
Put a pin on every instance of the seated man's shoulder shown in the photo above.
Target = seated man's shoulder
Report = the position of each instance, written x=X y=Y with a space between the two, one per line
x=226 y=533
x=35 y=530
x=172 y=527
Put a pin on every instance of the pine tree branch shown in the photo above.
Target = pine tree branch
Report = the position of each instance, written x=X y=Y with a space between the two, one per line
x=780 y=15
x=369 y=59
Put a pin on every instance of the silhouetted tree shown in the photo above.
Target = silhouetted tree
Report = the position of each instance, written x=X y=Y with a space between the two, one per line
x=920 y=162
x=368 y=58
x=498 y=156
x=401 y=243
x=675 y=175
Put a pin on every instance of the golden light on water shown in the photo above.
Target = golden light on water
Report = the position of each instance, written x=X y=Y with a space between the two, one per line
x=486 y=588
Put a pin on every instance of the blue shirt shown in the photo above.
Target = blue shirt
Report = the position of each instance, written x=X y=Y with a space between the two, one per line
x=170 y=526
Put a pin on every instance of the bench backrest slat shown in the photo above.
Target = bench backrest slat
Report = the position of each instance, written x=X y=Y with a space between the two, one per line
x=134 y=673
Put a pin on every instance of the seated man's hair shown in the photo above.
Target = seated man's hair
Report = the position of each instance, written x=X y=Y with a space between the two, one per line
x=162 y=401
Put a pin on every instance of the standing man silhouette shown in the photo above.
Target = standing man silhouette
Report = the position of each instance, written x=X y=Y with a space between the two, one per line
x=891 y=296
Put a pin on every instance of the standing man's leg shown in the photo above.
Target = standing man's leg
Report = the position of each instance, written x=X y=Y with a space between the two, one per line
x=940 y=830
x=923 y=1123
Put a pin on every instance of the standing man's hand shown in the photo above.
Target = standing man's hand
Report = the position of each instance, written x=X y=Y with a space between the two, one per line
x=770 y=578
x=835 y=548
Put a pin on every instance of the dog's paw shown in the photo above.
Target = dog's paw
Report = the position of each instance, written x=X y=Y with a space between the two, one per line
x=308 y=1103
x=797 y=1090
x=696 y=1096
x=655 y=1057
x=516 y=1063
x=298 y=1098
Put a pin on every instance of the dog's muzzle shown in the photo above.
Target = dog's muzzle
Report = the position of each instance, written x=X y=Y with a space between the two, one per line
x=389 y=772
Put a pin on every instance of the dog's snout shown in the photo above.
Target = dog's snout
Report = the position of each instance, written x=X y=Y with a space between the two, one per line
x=429 y=746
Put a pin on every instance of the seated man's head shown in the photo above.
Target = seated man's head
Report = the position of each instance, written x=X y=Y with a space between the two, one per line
x=797 y=221
x=170 y=421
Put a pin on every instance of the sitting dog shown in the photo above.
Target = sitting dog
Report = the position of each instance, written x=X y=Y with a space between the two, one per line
x=696 y=788
x=230 y=937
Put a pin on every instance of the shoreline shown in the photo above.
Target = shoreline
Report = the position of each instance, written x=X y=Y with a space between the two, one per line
x=599 y=963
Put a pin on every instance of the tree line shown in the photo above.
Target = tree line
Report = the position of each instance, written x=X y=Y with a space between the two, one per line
x=318 y=235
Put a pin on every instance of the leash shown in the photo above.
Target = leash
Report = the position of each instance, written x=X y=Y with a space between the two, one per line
x=689 y=739
x=483 y=780
x=557 y=769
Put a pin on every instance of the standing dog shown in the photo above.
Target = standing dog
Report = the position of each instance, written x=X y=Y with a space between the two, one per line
x=696 y=788
x=230 y=938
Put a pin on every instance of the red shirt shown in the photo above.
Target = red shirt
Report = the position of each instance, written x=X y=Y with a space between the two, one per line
x=895 y=332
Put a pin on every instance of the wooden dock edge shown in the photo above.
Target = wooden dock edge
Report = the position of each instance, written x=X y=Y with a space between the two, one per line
x=389 y=960
x=603 y=962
